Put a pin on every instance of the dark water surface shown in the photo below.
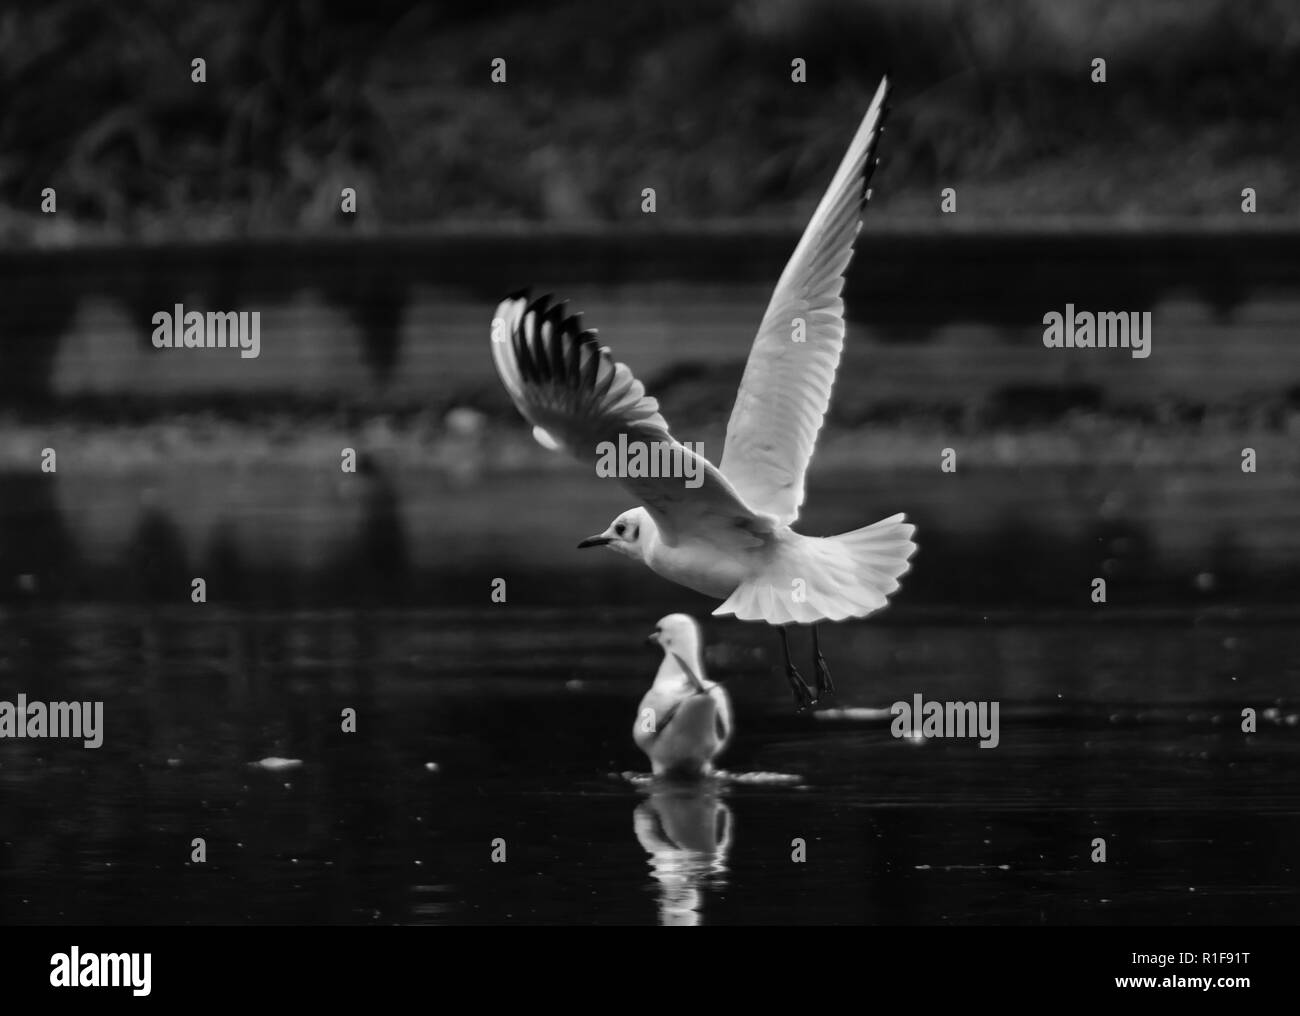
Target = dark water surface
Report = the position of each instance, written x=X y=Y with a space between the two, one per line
x=1126 y=729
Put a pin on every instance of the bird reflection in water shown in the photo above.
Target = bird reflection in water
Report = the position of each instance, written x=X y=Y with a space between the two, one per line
x=686 y=829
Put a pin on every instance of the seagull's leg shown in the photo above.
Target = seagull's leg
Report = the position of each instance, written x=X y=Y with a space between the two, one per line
x=824 y=683
x=803 y=696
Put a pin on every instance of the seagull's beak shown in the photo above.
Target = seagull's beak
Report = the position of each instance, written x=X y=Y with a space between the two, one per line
x=652 y=639
x=595 y=541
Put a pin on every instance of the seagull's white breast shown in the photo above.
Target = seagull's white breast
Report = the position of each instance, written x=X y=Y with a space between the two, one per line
x=704 y=566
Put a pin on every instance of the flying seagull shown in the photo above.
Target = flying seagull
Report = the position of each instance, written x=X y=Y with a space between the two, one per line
x=684 y=721
x=727 y=533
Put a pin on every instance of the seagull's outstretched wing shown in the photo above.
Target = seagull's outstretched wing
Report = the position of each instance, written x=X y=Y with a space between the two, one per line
x=787 y=383
x=578 y=398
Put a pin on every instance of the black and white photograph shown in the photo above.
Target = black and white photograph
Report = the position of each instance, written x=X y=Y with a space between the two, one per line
x=734 y=463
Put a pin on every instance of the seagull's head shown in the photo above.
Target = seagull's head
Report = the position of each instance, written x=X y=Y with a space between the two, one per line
x=677 y=633
x=626 y=534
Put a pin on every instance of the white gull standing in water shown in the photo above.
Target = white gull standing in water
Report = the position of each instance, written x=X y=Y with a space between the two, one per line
x=727 y=532
x=684 y=721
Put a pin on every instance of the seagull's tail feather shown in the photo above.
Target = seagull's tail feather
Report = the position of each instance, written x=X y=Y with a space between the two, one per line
x=813 y=579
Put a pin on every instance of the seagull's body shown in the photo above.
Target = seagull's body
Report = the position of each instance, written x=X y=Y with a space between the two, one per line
x=684 y=721
x=728 y=536
x=712 y=567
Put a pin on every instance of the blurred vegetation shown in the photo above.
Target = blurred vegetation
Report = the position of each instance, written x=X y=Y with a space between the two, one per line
x=393 y=97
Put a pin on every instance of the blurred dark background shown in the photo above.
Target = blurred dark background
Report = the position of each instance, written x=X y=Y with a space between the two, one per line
x=394 y=98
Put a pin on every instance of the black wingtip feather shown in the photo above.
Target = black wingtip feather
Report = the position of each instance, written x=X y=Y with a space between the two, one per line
x=872 y=160
x=558 y=367
x=555 y=351
x=523 y=357
x=541 y=358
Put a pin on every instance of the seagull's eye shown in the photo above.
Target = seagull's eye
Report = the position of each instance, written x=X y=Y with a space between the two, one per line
x=619 y=528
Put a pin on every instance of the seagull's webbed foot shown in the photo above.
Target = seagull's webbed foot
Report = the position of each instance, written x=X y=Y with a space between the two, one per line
x=803 y=696
x=825 y=686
